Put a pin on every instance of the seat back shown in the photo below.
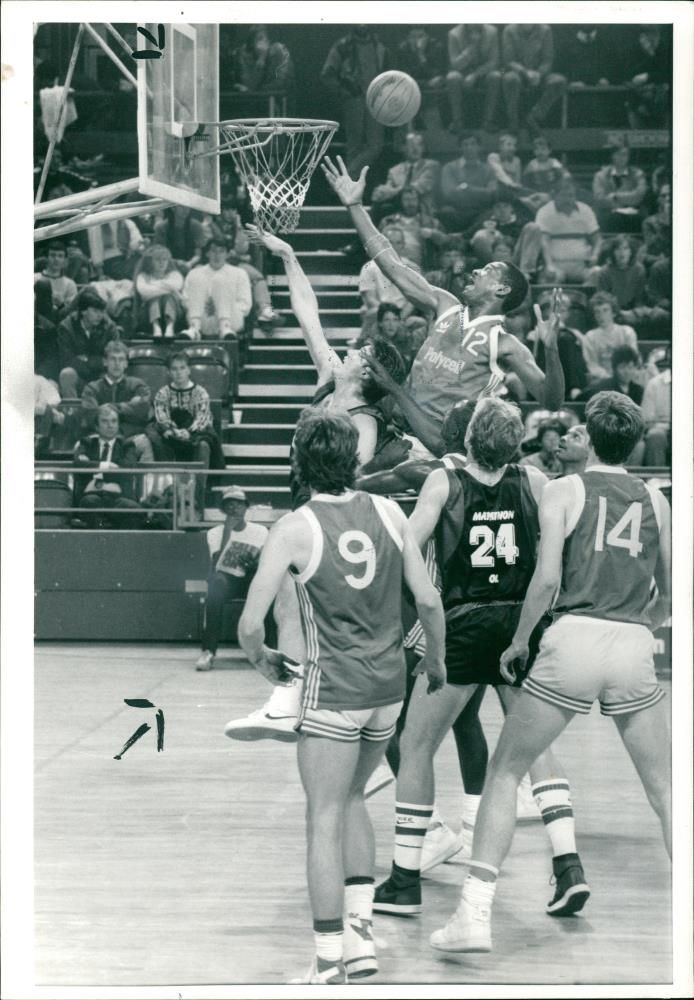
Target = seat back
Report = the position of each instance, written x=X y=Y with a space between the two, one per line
x=52 y=493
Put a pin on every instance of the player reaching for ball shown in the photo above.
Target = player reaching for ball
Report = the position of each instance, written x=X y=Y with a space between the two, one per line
x=604 y=536
x=468 y=351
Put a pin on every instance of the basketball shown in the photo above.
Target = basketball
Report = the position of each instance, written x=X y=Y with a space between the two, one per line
x=393 y=98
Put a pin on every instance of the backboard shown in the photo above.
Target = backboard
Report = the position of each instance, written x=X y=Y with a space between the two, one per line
x=178 y=88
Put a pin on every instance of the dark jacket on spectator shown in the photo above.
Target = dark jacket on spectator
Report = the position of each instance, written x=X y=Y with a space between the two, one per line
x=343 y=71
x=587 y=54
x=423 y=65
x=73 y=341
x=634 y=392
x=131 y=397
x=87 y=456
x=275 y=73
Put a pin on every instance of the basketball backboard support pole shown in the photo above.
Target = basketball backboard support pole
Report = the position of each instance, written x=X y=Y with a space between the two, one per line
x=171 y=100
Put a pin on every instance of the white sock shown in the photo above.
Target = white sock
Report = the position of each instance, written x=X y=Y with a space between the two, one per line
x=478 y=893
x=411 y=823
x=329 y=942
x=471 y=804
x=554 y=802
x=359 y=900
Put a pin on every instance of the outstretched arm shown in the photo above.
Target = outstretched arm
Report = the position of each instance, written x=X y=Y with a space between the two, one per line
x=547 y=387
x=304 y=304
x=412 y=285
x=422 y=426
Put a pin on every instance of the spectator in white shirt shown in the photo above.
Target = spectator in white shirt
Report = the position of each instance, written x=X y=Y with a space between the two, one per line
x=217 y=295
x=657 y=411
x=159 y=284
x=600 y=342
x=235 y=548
x=566 y=231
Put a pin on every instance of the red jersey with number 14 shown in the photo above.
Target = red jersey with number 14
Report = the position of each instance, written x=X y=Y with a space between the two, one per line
x=349 y=598
x=611 y=549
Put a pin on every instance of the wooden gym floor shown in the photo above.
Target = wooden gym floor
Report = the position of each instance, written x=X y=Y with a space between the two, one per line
x=187 y=866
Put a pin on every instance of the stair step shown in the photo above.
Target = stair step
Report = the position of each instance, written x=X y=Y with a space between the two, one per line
x=317 y=280
x=279 y=354
x=234 y=451
x=285 y=413
x=341 y=299
x=278 y=393
x=292 y=333
x=260 y=434
x=337 y=317
x=262 y=374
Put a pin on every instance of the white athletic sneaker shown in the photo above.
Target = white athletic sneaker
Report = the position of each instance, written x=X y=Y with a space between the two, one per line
x=381 y=777
x=469 y=929
x=358 y=947
x=260 y=725
x=441 y=844
x=322 y=973
x=526 y=806
x=205 y=661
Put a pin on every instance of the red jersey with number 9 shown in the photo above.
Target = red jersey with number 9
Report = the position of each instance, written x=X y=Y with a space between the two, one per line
x=611 y=551
x=350 y=602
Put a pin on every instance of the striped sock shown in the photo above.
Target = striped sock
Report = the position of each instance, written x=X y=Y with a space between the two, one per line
x=411 y=823
x=554 y=802
x=327 y=935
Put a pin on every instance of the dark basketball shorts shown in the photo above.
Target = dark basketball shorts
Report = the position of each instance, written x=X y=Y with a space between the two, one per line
x=477 y=635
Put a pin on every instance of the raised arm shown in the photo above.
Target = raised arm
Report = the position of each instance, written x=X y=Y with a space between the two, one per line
x=547 y=387
x=431 y=502
x=304 y=304
x=413 y=286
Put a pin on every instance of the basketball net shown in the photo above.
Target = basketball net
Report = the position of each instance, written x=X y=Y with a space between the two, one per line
x=276 y=158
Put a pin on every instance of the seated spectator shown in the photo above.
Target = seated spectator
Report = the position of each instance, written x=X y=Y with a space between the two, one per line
x=626 y=363
x=422 y=232
x=600 y=342
x=183 y=234
x=159 y=284
x=46 y=360
x=527 y=55
x=82 y=339
x=451 y=274
x=545 y=458
x=217 y=295
x=649 y=73
x=352 y=63
x=657 y=230
x=416 y=171
x=569 y=343
x=422 y=57
x=183 y=428
x=473 y=72
x=115 y=248
x=588 y=55
x=543 y=172
x=63 y=289
x=228 y=226
x=656 y=315
x=622 y=276
x=130 y=397
x=376 y=289
x=504 y=220
x=569 y=236
x=46 y=413
x=261 y=65
x=104 y=451
x=78 y=267
x=657 y=412
x=235 y=548
x=508 y=170
x=619 y=191
x=467 y=186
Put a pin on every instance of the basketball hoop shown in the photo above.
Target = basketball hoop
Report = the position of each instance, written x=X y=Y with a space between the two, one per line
x=276 y=158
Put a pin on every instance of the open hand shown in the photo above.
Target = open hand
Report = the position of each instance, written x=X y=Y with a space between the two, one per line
x=435 y=671
x=515 y=657
x=350 y=192
x=548 y=329
x=380 y=375
x=271 y=242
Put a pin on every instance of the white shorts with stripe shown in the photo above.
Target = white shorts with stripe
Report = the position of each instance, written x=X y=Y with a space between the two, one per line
x=350 y=725
x=581 y=659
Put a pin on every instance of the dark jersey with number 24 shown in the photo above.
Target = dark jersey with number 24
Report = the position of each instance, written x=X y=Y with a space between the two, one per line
x=486 y=538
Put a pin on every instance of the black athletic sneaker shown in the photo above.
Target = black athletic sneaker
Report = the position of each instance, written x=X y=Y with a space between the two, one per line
x=571 y=892
x=405 y=901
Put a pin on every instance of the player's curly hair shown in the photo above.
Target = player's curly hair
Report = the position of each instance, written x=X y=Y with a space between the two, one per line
x=615 y=425
x=392 y=360
x=325 y=454
x=494 y=433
